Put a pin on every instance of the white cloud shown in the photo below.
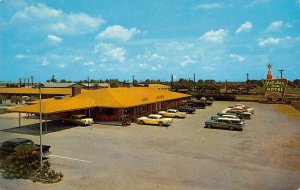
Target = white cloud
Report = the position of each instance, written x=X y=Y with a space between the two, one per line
x=214 y=36
x=277 y=26
x=177 y=46
x=256 y=2
x=239 y=58
x=54 y=38
x=39 y=17
x=186 y=60
x=45 y=61
x=148 y=56
x=274 y=26
x=209 y=6
x=155 y=67
x=20 y=56
x=61 y=65
x=206 y=68
x=78 y=58
x=269 y=41
x=89 y=63
x=245 y=27
x=109 y=52
x=143 y=65
x=118 y=32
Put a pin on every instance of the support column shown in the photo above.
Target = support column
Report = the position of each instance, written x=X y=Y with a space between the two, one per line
x=19 y=119
x=46 y=124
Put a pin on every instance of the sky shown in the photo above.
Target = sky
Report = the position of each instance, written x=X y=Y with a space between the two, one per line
x=150 y=39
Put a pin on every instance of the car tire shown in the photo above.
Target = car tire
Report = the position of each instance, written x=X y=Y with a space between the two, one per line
x=141 y=122
x=231 y=128
x=160 y=124
x=208 y=126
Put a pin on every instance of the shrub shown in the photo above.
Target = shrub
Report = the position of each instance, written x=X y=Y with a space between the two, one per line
x=25 y=163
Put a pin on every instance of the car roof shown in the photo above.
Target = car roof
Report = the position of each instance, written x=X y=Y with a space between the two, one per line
x=19 y=140
x=225 y=118
x=156 y=115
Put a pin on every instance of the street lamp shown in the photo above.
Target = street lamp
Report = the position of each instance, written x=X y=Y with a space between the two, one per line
x=40 y=85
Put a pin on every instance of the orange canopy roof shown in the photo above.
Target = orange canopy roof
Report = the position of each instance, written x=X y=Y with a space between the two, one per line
x=107 y=97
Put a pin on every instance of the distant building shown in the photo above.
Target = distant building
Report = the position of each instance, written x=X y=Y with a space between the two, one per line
x=160 y=87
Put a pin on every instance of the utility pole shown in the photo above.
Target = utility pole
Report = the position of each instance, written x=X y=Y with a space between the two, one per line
x=172 y=80
x=247 y=83
x=40 y=85
x=31 y=77
x=194 y=82
x=132 y=80
x=88 y=82
x=281 y=70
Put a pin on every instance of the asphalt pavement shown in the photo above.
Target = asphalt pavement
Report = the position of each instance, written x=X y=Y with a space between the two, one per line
x=265 y=155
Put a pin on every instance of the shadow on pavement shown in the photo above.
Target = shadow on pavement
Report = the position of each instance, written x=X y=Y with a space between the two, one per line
x=34 y=129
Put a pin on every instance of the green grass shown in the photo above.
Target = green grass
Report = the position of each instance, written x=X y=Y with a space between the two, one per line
x=293 y=91
x=249 y=97
x=2 y=111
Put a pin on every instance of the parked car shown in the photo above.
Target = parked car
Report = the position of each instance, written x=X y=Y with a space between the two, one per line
x=240 y=115
x=172 y=113
x=8 y=147
x=225 y=123
x=248 y=108
x=246 y=115
x=79 y=119
x=197 y=103
x=155 y=119
x=232 y=116
x=187 y=109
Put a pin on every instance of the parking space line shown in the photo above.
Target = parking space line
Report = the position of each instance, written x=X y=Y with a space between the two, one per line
x=69 y=158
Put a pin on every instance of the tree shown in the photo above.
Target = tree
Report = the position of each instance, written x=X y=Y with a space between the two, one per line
x=63 y=80
x=16 y=99
x=2 y=99
x=53 y=79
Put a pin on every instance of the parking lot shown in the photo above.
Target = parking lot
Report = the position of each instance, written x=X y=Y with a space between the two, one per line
x=265 y=155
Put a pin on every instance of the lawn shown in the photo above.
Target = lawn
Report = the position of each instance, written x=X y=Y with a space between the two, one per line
x=295 y=91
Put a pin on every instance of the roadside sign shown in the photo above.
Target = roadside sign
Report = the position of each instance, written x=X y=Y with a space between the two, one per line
x=275 y=89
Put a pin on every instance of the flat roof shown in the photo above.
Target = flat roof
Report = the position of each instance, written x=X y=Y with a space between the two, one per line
x=107 y=97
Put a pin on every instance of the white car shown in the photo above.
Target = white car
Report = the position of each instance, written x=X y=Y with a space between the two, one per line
x=230 y=116
x=248 y=108
x=173 y=113
x=155 y=119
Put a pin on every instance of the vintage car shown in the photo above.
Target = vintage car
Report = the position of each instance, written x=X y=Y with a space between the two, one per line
x=225 y=123
x=155 y=119
x=246 y=115
x=172 y=113
x=79 y=119
x=187 y=109
x=9 y=147
x=248 y=108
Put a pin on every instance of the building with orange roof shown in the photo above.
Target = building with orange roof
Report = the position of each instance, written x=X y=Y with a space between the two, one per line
x=108 y=104
x=160 y=86
x=46 y=92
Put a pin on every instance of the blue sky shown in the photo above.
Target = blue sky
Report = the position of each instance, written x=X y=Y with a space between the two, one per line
x=150 y=39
